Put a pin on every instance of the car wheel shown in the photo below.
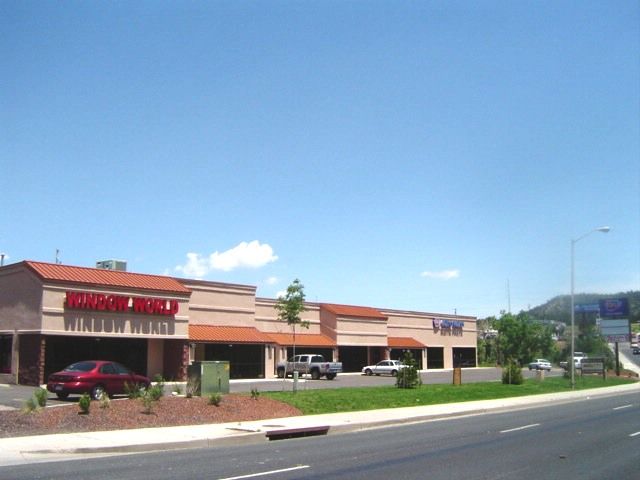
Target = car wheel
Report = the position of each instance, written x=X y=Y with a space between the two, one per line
x=315 y=374
x=281 y=373
x=331 y=376
x=368 y=371
x=98 y=392
x=62 y=395
x=394 y=373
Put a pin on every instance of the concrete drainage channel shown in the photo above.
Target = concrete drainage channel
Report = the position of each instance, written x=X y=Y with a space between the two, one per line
x=297 y=432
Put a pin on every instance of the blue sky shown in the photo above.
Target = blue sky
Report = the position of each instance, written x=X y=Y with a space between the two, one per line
x=409 y=155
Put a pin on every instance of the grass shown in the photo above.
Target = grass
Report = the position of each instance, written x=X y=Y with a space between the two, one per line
x=312 y=402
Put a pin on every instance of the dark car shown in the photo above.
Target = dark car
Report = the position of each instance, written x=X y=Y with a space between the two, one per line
x=636 y=350
x=95 y=377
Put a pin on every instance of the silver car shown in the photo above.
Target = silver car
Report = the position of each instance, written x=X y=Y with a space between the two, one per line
x=540 y=364
x=385 y=367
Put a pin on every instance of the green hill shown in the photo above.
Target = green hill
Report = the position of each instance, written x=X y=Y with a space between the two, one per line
x=559 y=308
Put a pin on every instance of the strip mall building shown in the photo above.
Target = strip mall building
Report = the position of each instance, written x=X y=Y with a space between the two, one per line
x=52 y=315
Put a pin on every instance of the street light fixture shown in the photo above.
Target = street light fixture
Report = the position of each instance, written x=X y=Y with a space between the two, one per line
x=573 y=313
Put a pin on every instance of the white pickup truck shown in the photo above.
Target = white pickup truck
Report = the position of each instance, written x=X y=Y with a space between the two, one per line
x=313 y=364
x=578 y=357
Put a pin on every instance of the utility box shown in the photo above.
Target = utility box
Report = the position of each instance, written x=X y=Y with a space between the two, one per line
x=207 y=377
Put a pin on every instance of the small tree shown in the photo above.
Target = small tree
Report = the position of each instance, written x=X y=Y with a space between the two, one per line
x=290 y=306
x=408 y=376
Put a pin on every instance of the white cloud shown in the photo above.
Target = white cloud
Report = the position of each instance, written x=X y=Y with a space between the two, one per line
x=243 y=255
x=251 y=255
x=272 y=280
x=196 y=266
x=443 y=275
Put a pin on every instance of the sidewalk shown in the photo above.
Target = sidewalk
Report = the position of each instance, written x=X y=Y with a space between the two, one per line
x=45 y=448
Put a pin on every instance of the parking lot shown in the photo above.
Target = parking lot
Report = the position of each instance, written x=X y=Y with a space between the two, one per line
x=14 y=396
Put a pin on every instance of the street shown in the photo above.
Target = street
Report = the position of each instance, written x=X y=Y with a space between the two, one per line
x=587 y=439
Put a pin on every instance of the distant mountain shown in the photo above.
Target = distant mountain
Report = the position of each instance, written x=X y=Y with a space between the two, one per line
x=559 y=308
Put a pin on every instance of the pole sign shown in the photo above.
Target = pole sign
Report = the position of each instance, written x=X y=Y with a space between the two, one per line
x=615 y=329
x=586 y=308
x=614 y=308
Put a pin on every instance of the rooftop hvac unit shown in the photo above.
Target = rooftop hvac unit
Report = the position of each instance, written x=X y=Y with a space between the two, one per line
x=119 y=265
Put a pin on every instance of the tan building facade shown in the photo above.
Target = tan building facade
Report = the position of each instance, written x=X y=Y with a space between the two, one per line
x=52 y=315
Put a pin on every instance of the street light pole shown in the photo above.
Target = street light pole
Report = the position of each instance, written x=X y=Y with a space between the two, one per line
x=573 y=313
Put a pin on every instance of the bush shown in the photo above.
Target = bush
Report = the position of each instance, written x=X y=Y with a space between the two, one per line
x=254 y=393
x=105 y=401
x=408 y=377
x=512 y=374
x=155 y=392
x=215 y=399
x=41 y=395
x=193 y=387
x=29 y=406
x=84 y=403
x=133 y=390
x=147 y=403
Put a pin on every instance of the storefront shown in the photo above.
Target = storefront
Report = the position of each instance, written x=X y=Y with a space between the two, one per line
x=52 y=315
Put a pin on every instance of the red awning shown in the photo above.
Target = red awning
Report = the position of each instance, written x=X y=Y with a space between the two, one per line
x=404 y=342
x=221 y=334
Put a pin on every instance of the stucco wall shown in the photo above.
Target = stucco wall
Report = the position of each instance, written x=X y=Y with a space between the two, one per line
x=20 y=300
x=267 y=318
x=221 y=304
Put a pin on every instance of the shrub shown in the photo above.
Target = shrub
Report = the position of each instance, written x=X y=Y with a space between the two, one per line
x=512 y=374
x=255 y=393
x=408 y=377
x=193 y=387
x=29 y=406
x=215 y=399
x=41 y=395
x=84 y=403
x=155 y=392
x=133 y=390
x=105 y=401
x=147 y=403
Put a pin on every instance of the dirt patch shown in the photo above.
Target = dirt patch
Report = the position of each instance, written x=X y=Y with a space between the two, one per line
x=122 y=414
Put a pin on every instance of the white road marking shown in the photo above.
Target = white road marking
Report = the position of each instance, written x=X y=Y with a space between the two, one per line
x=623 y=406
x=253 y=475
x=520 y=428
x=635 y=434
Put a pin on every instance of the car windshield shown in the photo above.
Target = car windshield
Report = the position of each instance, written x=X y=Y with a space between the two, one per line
x=80 y=367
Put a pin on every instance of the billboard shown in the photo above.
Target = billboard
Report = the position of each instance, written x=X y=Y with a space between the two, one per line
x=614 y=307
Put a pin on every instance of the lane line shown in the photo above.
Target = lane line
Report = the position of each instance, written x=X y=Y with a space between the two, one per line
x=623 y=407
x=272 y=472
x=635 y=434
x=520 y=428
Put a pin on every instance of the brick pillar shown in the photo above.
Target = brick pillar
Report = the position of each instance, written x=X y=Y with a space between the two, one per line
x=31 y=363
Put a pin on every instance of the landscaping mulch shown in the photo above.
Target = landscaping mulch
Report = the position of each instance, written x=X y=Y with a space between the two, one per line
x=122 y=414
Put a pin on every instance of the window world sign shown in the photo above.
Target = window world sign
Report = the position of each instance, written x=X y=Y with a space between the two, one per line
x=121 y=303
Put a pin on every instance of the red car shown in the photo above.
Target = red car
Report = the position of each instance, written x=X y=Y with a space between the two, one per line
x=96 y=377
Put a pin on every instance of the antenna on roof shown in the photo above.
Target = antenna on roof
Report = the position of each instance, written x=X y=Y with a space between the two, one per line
x=57 y=256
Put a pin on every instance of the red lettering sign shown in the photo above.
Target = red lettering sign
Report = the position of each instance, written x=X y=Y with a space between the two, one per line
x=119 y=303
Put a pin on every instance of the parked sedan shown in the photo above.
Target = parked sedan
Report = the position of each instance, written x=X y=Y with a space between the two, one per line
x=540 y=364
x=385 y=367
x=636 y=350
x=96 y=377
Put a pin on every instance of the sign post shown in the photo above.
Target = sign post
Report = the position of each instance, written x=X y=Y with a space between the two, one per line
x=614 y=323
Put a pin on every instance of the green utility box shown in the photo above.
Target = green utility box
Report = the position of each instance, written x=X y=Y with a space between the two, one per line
x=209 y=377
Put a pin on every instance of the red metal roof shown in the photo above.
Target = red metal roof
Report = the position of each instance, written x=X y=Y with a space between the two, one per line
x=352 y=311
x=303 y=339
x=108 y=278
x=223 y=334
x=404 y=342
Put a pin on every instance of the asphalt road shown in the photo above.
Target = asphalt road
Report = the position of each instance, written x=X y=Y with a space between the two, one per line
x=587 y=439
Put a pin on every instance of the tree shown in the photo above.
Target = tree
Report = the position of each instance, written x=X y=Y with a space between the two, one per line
x=290 y=306
x=408 y=377
x=521 y=339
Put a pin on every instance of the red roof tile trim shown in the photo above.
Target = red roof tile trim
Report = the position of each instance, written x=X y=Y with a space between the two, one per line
x=351 y=311
x=109 y=278
x=222 y=334
x=404 y=342
x=303 y=340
